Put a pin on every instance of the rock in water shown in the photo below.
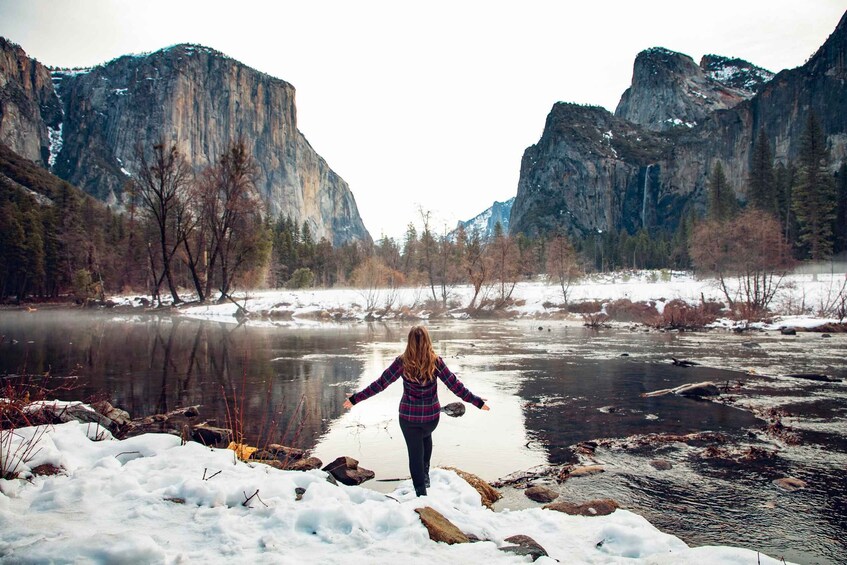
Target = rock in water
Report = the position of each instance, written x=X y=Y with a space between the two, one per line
x=600 y=507
x=540 y=493
x=790 y=483
x=347 y=471
x=661 y=464
x=439 y=527
x=454 y=409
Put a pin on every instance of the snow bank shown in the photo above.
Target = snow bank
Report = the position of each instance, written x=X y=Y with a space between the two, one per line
x=800 y=294
x=150 y=499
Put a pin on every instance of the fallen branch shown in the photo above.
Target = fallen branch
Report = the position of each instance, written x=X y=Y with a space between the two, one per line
x=249 y=498
x=205 y=478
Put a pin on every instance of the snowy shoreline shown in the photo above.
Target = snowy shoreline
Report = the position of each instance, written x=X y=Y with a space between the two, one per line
x=149 y=499
x=802 y=301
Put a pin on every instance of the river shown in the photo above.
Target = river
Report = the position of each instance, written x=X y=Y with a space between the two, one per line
x=550 y=385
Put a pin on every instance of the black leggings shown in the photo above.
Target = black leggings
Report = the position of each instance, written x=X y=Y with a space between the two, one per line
x=419 y=443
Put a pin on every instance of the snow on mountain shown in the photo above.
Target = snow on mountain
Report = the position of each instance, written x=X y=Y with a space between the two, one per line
x=484 y=223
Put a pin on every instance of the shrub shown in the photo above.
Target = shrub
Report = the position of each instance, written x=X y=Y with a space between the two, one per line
x=587 y=307
x=625 y=310
x=678 y=314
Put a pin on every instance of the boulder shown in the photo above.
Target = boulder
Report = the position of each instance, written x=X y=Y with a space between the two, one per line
x=524 y=545
x=661 y=464
x=540 y=493
x=787 y=331
x=209 y=435
x=487 y=493
x=346 y=470
x=304 y=464
x=599 y=507
x=790 y=483
x=285 y=452
x=81 y=413
x=439 y=527
x=118 y=416
x=454 y=409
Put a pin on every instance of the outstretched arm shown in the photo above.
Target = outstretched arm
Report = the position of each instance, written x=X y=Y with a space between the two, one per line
x=391 y=374
x=456 y=386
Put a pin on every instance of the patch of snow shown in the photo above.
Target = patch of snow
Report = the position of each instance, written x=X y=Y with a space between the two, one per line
x=120 y=91
x=149 y=499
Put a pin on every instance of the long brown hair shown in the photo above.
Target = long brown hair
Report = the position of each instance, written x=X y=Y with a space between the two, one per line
x=419 y=357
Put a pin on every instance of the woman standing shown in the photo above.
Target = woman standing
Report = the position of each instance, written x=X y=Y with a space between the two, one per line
x=419 y=408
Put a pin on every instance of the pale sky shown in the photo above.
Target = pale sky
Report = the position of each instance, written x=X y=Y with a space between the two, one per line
x=428 y=104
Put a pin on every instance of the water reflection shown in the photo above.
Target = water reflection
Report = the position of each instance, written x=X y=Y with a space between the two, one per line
x=549 y=387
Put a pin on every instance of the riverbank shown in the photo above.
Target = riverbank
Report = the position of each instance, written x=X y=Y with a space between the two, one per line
x=803 y=301
x=150 y=499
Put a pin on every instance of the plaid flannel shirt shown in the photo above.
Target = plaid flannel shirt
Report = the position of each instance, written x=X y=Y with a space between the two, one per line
x=419 y=403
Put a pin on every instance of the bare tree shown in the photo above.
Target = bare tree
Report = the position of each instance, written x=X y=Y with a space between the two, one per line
x=163 y=182
x=562 y=265
x=506 y=265
x=477 y=263
x=749 y=248
x=232 y=210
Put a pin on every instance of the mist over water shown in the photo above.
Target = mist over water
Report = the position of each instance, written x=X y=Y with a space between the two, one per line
x=550 y=386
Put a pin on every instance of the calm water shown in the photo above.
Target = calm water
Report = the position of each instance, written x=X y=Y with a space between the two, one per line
x=550 y=386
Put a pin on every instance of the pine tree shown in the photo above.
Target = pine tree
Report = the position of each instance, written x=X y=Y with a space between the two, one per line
x=841 y=211
x=722 y=202
x=814 y=197
x=761 y=191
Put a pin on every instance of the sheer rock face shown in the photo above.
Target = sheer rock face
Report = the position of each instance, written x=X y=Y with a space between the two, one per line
x=199 y=99
x=28 y=104
x=670 y=90
x=592 y=171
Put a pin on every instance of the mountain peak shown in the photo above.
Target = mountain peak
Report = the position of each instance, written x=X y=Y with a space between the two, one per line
x=735 y=73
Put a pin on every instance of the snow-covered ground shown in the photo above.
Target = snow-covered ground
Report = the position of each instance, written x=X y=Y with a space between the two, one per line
x=801 y=301
x=150 y=499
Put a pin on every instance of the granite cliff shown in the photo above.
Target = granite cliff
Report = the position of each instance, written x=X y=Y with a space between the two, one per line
x=593 y=171
x=191 y=95
x=29 y=109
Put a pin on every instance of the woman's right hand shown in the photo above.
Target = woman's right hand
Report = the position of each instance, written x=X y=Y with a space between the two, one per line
x=347 y=404
x=485 y=407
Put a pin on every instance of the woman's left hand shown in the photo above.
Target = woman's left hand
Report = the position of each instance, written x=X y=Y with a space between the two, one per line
x=347 y=404
x=485 y=407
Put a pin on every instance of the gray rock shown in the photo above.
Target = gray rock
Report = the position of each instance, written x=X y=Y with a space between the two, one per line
x=661 y=464
x=454 y=409
x=524 y=545
x=346 y=470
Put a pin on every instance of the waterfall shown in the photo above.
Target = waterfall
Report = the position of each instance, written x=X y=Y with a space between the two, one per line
x=644 y=198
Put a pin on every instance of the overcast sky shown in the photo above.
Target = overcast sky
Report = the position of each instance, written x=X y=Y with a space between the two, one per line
x=428 y=104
